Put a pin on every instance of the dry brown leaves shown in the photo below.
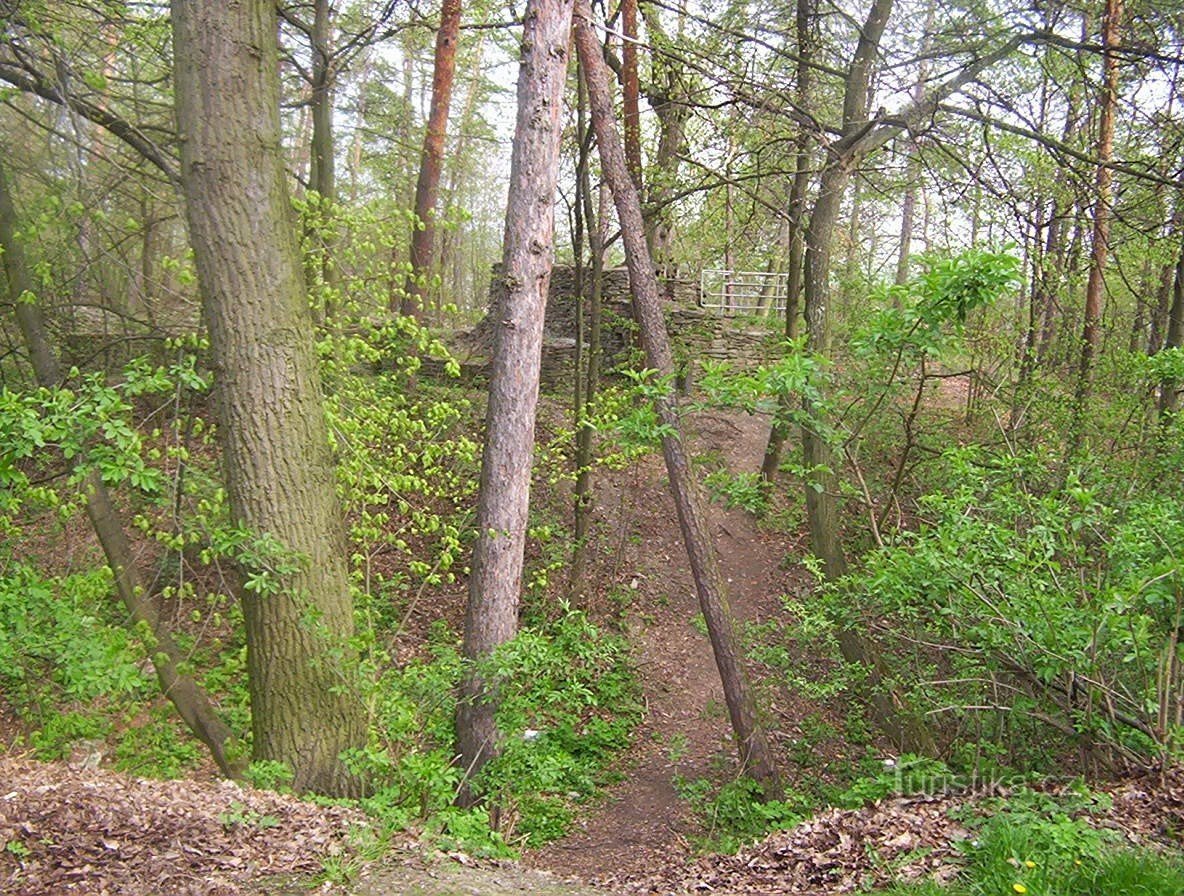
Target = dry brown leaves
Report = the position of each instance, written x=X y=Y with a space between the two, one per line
x=842 y=851
x=837 y=851
x=68 y=830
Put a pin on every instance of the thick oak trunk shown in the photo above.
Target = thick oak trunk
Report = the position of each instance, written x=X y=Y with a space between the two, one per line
x=305 y=710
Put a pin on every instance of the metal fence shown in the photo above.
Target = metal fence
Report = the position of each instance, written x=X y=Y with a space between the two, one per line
x=743 y=292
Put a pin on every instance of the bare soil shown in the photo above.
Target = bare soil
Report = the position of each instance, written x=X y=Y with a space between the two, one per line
x=643 y=823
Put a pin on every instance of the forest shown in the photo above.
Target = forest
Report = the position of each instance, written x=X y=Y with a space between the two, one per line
x=648 y=446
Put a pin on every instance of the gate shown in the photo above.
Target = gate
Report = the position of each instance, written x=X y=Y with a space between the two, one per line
x=742 y=293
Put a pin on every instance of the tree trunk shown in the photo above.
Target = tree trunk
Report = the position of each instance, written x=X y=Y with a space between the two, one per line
x=780 y=427
x=427 y=187
x=667 y=96
x=322 y=162
x=755 y=756
x=631 y=90
x=1103 y=186
x=908 y=210
x=190 y=701
x=305 y=710
x=504 y=497
x=588 y=293
x=322 y=165
x=1169 y=394
x=821 y=486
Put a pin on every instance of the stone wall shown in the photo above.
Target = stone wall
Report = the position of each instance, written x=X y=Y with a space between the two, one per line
x=696 y=333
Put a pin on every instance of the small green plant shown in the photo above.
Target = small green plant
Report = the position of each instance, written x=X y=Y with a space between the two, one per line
x=1035 y=844
x=736 y=813
x=743 y=490
x=17 y=848
x=156 y=747
x=898 y=777
x=268 y=774
x=239 y=816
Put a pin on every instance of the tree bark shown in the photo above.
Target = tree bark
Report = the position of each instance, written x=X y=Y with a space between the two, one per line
x=908 y=209
x=631 y=91
x=589 y=294
x=305 y=709
x=755 y=756
x=821 y=486
x=667 y=96
x=504 y=496
x=1104 y=190
x=427 y=187
x=1169 y=390
x=780 y=427
x=323 y=166
x=190 y=700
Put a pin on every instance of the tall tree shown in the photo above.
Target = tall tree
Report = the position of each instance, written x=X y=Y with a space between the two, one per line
x=805 y=23
x=755 y=756
x=1103 y=198
x=427 y=187
x=631 y=90
x=297 y=606
x=859 y=137
x=503 y=501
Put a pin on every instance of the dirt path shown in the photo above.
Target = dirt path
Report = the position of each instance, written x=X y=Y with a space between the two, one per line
x=642 y=822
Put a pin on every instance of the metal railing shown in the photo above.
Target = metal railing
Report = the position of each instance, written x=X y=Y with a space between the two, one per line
x=742 y=293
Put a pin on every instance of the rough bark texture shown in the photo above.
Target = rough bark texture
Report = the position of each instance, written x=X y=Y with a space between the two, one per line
x=504 y=497
x=755 y=755
x=279 y=471
x=427 y=187
x=190 y=701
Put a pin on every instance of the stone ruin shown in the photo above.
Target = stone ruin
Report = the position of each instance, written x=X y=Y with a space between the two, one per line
x=696 y=333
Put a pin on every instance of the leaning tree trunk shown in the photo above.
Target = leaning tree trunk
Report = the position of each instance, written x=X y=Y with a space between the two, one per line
x=427 y=187
x=167 y=658
x=755 y=755
x=504 y=498
x=305 y=709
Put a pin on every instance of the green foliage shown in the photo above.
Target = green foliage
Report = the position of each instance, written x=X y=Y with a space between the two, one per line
x=918 y=317
x=1078 y=592
x=903 y=776
x=635 y=421
x=1040 y=845
x=569 y=703
x=157 y=746
x=269 y=774
x=60 y=640
x=744 y=490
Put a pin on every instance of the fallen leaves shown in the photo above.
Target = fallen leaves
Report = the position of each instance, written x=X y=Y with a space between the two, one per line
x=68 y=830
